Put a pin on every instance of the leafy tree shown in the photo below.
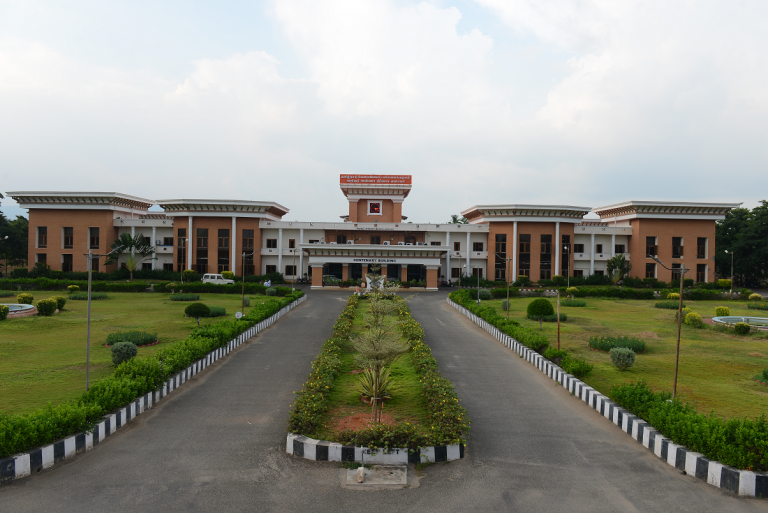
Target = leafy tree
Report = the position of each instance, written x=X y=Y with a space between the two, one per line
x=14 y=249
x=455 y=219
x=135 y=249
x=540 y=308
x=619 y=265
x=745 y=234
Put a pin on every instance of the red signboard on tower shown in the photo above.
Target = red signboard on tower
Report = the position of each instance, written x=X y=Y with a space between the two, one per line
x=375 y=179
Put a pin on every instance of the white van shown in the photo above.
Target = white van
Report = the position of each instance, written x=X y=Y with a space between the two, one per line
x=217 y=278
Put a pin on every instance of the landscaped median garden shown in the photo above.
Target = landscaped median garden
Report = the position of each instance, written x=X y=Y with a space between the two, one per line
x=378 y=350
x=42 y=368
x=719 y=409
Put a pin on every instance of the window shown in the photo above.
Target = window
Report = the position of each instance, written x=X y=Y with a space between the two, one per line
x=41 y=258
x=618 y=249
x=167 y=267
x=223 y=251
x=676 y=274
x=651 y=249
x=272 y=243
x=500 y=258
x=578 y=272
x=69 y=238
x=701 y=273
x=435 y=243
x=42 y=237
x=66 y=262
x=701 y=247
x=93 y=238
x=375 y=239
x=290 y=270
x=565 y=256
x=677 y=247
x=457 y=246
x=599 y=273
x=598 y=248
x=455 y=272
x=476 y=271
x=341 y=239
x=181 y=252
x=224 y=239
x=578 y=248
x=201 y=263
x=525 y=243
x=167 y=241
x=291 y=243
x=477 y=246
x=248 y=239
x=271 y=269
x=650 y=270
x=146 y=266
x=95 y=265
x=524 y=259
x=545 y=263
x=410 y=240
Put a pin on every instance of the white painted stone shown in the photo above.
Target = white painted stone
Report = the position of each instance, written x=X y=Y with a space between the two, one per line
x=671 y=453
x=310 y=449
x=334 y=452
x=690 y=463
x=657 y=446
x=47 y=456
x=22 y=465
x=714 y=473
x=428 y=454
x=69 y=447
x=88 y=441
x=454 y=452
x=747 y=481
x=360 y=475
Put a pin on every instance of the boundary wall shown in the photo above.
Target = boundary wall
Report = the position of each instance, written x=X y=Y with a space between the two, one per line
x=740 y=482
x=36 y=460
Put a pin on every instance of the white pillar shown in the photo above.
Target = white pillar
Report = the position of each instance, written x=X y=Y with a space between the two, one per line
x=154 y=245
x=190 y=241
x=280 y=250
x=469 y=268
x=592 y=256
x=133 y=235
x=301 y=253
x=448 y=257
x=613 y=244
x=233 y=240
x=558 y=249
x=514 y=252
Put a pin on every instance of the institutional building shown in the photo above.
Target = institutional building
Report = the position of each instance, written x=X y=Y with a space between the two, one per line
x=250 y=237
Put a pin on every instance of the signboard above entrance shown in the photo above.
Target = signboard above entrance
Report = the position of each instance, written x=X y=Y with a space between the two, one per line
x=376 y=179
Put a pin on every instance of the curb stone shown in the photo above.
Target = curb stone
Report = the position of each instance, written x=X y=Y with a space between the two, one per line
x=740 y=482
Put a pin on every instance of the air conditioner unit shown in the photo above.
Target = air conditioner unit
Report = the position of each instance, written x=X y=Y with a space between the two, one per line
x=386 y=243
x=420 y=244
x=409 y=244
x=157 y=242
x=401 y=243
x=350 y=242
x=333 y=243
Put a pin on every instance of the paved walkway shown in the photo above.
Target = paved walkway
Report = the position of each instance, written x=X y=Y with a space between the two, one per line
x=218 y=442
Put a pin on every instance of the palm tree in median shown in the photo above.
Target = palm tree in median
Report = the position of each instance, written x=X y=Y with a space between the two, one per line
x=137 y=248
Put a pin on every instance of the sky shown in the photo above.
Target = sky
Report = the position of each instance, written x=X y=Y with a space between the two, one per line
x=583 y=102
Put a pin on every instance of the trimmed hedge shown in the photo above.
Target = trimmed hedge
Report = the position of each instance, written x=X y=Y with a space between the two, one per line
x=5 y=293
x=550 y=318
x=607 y=343
x=758 y=306
x=184 y=297
x=740 y=443
x=577 y=367
x=539 y=308
x=83 y=296
x=615 y=292
x=722 y=311
x=131 y=379
x=574 y=302
x=622 y=358
x=122 y=352
x=25 y=299
x=46 y=307
x=197 y=310
x=159 y=286
x=217 y=311
x=669 y=305
x=740 y=328
x=4 y=312
x=135 y=337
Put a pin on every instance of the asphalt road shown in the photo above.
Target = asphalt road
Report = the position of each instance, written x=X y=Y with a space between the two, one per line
x=218 y=442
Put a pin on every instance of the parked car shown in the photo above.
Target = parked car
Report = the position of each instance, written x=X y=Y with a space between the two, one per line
x=217 y=279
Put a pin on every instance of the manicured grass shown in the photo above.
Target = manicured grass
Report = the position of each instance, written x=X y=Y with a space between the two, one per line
x=42 y=359
x=716 y=367
x=407 y=403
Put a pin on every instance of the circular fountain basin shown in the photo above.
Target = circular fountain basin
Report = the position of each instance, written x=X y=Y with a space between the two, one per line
x=20 y=310
x=760 y=323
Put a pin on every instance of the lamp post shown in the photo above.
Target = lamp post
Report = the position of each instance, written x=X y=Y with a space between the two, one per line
x=682 y=270
x=184 y=249
x=508 y=259
x=567 y=255
x=728 y=253
x=6 y=256
x=242 y=305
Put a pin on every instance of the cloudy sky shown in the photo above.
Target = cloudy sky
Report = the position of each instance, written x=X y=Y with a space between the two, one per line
x=587 y=102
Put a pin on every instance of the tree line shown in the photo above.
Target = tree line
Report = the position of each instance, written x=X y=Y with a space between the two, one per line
x=744 y=233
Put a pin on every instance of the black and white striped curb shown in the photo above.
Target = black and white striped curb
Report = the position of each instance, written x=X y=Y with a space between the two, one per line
x=34 y=461
x=320 y=450
x=741 y=482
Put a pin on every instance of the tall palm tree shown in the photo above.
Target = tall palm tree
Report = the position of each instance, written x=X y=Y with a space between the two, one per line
x=137 y=248
x=455 y=219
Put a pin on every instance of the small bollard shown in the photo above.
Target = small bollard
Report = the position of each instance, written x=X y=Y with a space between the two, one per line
x=360 y=474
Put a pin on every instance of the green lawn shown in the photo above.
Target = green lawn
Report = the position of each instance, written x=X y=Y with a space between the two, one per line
x=42 y=359
x=716 y=368
x=407 y=403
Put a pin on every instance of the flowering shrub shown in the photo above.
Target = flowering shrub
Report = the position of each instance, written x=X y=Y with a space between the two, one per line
x=693 y=319
x=721 y=311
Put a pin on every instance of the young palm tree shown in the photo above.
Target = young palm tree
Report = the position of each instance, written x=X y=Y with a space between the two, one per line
x=137 y=248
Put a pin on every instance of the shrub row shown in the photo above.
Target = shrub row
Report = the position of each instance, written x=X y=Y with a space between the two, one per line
x=131 y=379
x=550 y=318
x=6 y=293
x=124 y=274
x=574 y=302
x=104 y=286
x=83 y=296
x=577 y=367
x=741 y=443
x=135 y=337
x=312 y=400
x=758 y=306
x=607 y=343
x=184 y=297
x=4 y=312
x=668 y=305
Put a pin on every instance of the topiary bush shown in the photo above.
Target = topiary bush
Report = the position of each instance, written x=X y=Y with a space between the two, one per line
x=189 y=275
x=485 y=295
x=505 y=305
x=171 y=286
x=742 y=328
x=271 y=291
x=184 y=297
x=558 y=280
x=722 y=311
x=197 y=310
x=135 y=337
x=755 y=297
x=25 y=299
x=247 y=301
x=228 y=275
x=694 y=320
x=571 y=291
x=673 y=295
x=539 y=308
x=60 y=302
x=724 y=284
x=46 y=307
x=73 y=288
x=574 y=302
x=4 y=312
x=122 y=352
x=217 y=311
x=622 y=358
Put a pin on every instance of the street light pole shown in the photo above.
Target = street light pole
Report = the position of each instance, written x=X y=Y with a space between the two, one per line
x=478 y=285
x=682 y=270
x=242 y=306
x=731 y=253
x=508 y=259
x=567 y=253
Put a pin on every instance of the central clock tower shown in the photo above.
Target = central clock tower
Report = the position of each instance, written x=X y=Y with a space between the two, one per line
x=375 y=198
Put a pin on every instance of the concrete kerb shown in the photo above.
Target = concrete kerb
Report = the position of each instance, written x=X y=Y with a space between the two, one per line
x=36 y=460
x=740 y=482
x=321 y=450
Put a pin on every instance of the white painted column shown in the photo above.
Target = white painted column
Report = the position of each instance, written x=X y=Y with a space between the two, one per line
x=233 y=240
x=190 y=241
x=280 y=250
x=514 y=252
x=613 y=244
x=469 y=267
x=592 y=256
x=558 y=249
x=154 y=245
x=133 y=235
x=301 y=253
x=448 y=256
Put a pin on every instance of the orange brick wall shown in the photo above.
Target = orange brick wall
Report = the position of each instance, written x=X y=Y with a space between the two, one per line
x=535 y=230
x=213 y=224
x=80 y=221
x=358 y=212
